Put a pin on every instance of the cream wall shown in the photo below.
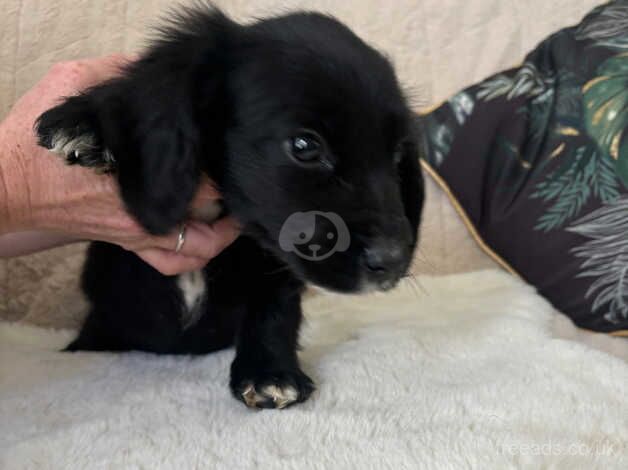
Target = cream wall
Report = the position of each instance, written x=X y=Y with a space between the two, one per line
x=437 y=45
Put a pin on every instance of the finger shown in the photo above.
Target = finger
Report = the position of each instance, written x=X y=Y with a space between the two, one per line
x=206 y=205
x=202 y=240
x=207 y=241
x=208 y=213
x=170 y=263
x=207 y=192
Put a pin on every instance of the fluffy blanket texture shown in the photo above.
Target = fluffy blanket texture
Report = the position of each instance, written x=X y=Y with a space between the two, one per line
x=459 y=372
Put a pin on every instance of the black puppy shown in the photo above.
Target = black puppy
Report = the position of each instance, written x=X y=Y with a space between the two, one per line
x=307 y=135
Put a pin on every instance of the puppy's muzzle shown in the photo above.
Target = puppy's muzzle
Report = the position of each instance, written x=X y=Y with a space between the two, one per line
x=385 y=261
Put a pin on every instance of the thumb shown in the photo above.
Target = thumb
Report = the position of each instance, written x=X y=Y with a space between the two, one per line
x=170 y=263
x=206 y=192
x=206 y=204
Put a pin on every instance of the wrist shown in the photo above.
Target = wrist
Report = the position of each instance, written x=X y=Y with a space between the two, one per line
x=4 y=204
x=14 y=190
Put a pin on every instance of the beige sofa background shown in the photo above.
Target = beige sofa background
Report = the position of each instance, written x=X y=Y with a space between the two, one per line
x=438 y=46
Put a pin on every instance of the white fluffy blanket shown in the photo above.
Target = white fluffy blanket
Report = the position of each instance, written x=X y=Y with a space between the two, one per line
x=459 y=373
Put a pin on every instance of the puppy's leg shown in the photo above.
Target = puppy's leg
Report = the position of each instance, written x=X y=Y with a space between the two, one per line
x=266 y=372
x=133 y=306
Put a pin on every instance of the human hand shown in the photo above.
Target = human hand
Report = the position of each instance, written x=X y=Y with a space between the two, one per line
x=75 y=203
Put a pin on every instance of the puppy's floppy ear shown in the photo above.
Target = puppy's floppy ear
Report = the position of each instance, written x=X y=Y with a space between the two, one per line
x=144 y=125
x=157 y=150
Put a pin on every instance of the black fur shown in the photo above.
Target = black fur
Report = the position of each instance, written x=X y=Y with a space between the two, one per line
x=221 y=98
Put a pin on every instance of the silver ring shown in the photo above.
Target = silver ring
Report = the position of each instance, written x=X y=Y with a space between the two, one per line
x=181 y=239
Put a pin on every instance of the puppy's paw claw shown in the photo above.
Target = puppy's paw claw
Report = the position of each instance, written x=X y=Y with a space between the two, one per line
x=80 y=150
x=279 y=391
x=270 y=396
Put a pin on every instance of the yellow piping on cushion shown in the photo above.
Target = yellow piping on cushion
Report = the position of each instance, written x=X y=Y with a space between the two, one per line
x=465 y=218
x=476 y=236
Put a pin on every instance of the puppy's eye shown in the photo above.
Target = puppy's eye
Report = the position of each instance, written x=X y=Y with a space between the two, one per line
x=307 y=148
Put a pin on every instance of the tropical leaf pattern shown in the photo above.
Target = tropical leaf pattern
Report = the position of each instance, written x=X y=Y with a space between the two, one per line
x=462 y=105
x=539 y=157
x=589 y=174
x=605 y=258
x=607 y=26
x=441 y=129
x=606 y=110
x=441 y=137
x=527 y=81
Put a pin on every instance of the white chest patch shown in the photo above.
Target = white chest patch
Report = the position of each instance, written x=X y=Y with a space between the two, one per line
x=193 y=291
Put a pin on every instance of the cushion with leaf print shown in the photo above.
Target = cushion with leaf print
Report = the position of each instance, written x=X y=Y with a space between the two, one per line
x=538 y=158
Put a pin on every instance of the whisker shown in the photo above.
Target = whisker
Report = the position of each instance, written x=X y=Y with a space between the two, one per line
x=422 y=257
x=417 y=96
x=416 y=284
x=414 y=287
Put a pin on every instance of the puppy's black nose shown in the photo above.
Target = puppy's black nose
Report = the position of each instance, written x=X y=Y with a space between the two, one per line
x=384 y=258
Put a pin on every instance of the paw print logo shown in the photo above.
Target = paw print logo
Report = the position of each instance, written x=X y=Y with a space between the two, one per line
x=314 y=235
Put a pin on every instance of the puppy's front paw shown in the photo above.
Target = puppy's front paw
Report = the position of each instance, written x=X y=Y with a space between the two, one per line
x=81 y=150
x=69 y=130
x=271 y=389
